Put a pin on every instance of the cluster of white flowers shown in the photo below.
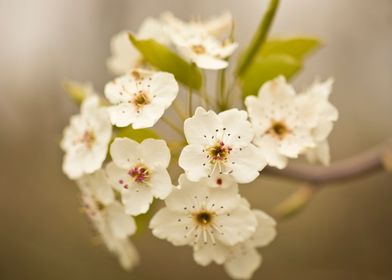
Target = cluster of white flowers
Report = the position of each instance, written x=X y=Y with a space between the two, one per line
x=287 y=124
x=205 y=210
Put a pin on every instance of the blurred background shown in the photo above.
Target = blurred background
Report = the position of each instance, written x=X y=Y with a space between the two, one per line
x=345 y=232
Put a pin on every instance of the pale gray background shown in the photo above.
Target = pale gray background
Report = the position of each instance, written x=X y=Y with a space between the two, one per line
x=345 y=233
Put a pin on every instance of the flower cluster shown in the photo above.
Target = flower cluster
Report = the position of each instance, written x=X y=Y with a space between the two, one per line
x=119 y=177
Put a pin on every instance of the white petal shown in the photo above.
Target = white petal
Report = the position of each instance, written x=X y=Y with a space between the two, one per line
x=126 y=253
x=265 y=231
x=98 y=186
x=243 y=262
x=236 y=226
x=124 y=54
x=155 y=153
x=89 y=105
x=124 y=152
x=190 y=194
x=164 y=87
x=295 y=143
x=119 y=90
x=201 y=127
x=246 y=163
x=269 y=148
x=160 y=183
x=118 y=177
x=321 y=132
x=320 y=153
x=148 y=116
x=120 y=224
x=137 y=199
x=152 y=28
x=207 y=253
x=220 y=181
x=122 y=115
x=172 y=226
x=259 y=114
x=219 y=25
x=83 y=161
x=194 y=162
x=277 y=91
x=209 y=62
x=237 y=129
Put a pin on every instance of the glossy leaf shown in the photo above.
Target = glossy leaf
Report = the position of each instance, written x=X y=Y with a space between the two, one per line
x=77 y=91
x=136 y=134
x=276 y=57
x=296 y=47
x=266 y=68
x=247 y=58
x=167 y=60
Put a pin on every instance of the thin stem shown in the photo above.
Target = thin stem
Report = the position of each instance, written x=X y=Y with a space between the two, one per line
x=178 y=110
x=205 y=99
x=222 y=101
x=172 y=125
x=360 y=165
x=259 y=37
x=190 y=101
x=231 y=90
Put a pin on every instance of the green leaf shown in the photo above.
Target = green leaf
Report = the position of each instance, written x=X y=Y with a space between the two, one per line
x=136 y=134
x=77 y=91
x=258 y=39
x=276 y=57
x=266 y=68
x=296 y=47
x=167 y=60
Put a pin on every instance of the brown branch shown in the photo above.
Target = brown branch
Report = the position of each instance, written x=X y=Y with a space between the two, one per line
x=357 y=166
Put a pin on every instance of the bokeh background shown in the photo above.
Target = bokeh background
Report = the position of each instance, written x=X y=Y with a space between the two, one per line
x=345 y=232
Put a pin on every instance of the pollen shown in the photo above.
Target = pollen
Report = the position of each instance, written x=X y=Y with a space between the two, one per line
x=139 y=173
x=204 y=218
x=279 y=129
x=141 y=99
x=136 y=75
x=219 y=152
x=198 y=49
x=88 y=138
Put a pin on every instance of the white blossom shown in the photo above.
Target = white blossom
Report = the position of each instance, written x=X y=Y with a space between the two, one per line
x=216 y=26
x=108 y=217
x=282 y=128
x=220 y=144
x=140 y=97
x=244 y=259
x=125 y=56
x=139 y=172
x=85 y=140
x=208 y=219
x=323 y=114
x=199 y=42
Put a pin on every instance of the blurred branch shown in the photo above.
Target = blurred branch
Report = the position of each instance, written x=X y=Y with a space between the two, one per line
x=364 y=164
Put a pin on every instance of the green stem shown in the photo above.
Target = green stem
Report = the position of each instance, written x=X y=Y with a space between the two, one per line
x=178 y=110
x=203 y=92
x=172 y=125
x=222 y=100
x=190 y=103
x=259 y=38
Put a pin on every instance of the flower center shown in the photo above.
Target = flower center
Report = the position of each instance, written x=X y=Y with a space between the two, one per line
x=88 y=138
x=141 y=99
x=139 y=173
x=219 y=152
x=198 y=49
x=279 y=129
x=204 y=218
x=136 y=75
